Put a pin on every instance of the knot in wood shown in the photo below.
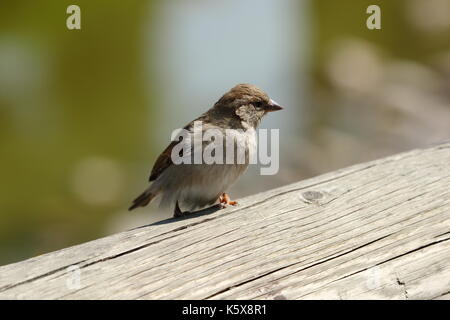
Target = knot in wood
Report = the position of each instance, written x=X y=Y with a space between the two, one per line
x=312 y=195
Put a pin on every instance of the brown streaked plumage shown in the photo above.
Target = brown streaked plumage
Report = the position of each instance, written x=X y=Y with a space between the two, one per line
x=199 y=185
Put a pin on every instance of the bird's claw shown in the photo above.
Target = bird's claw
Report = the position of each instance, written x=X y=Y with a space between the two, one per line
x=224 y=201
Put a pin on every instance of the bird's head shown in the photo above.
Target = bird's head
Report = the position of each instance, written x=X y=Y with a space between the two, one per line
x=248 y=102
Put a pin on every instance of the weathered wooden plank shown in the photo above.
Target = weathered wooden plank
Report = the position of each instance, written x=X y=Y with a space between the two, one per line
x=377 y=230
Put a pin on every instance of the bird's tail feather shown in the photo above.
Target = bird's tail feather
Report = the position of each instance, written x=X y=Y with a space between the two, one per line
x=142 y=200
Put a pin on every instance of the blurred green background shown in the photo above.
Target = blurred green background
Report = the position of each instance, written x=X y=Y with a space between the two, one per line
x=84 y=113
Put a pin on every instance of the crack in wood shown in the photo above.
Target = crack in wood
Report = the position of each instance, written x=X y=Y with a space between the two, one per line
x=402 y=284
x=388 y=260
x=331 y=257
x=10 y=286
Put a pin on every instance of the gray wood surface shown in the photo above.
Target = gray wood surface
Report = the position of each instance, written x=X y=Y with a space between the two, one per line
x=377 y=230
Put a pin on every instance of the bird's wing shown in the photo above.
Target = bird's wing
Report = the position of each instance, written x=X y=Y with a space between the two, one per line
x=165 y=158
x=163 y=162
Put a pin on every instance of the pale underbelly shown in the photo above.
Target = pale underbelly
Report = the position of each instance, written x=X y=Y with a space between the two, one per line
x=196 y=186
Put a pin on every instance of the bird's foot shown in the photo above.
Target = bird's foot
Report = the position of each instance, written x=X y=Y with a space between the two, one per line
x=178 y=213
x=181 y=214
x=224 y=200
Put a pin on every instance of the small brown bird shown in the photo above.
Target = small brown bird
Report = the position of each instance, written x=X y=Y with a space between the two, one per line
x=197 y=185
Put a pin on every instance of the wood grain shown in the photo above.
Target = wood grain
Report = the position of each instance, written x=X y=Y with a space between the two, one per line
x=377 y=230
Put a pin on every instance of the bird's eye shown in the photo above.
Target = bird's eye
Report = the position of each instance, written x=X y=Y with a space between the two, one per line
x=258 y=104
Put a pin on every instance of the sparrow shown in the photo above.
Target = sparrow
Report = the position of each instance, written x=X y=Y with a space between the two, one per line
x=197 y=185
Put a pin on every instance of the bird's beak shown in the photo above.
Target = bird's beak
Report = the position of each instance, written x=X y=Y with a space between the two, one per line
x=273 y=106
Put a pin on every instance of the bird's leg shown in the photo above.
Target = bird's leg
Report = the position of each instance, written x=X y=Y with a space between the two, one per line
x=178 y=213
x=225 y=200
